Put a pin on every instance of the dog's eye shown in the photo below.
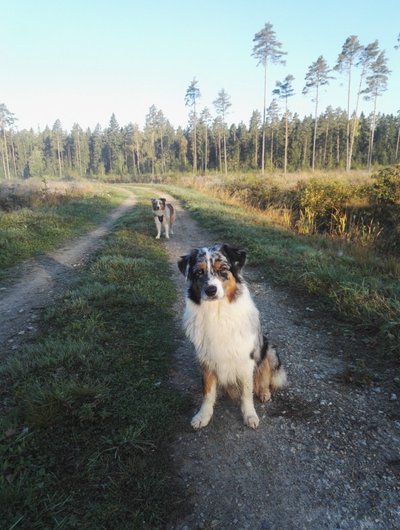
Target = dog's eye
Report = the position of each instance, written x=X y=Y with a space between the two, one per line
x=223 y=270
x=199 y=273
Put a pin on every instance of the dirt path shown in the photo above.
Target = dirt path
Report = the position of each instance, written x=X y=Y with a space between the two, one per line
x=42 y=279
x=326 y=454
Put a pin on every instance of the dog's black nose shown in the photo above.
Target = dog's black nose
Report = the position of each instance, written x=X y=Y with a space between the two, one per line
x=210 y=290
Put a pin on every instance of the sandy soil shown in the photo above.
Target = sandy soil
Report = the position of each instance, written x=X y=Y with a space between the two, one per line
x=326 y=454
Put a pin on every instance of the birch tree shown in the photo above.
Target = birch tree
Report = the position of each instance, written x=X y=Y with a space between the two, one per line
x=266 y=50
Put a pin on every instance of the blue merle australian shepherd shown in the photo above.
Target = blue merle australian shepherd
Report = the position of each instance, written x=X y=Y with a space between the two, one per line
x=223 y=323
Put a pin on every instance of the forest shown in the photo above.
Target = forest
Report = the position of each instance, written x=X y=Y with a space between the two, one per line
x=128 y=152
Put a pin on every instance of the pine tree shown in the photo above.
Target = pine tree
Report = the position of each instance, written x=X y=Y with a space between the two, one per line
x=254 y=128
x=366 y=58
x=376 y=85
x=316 y=77
x=7 y=120
x=191 y=97
x=58 y=136
x=113 y=157
x=222 y=104
x=351 y=51
x=266 y=50
x=205 y=120
x=284 y=90
x=273 y=120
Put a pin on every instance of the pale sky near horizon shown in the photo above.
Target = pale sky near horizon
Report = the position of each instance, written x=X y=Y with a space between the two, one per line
x=80 y=61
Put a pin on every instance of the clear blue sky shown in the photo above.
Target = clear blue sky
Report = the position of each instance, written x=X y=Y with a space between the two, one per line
x=81 y=60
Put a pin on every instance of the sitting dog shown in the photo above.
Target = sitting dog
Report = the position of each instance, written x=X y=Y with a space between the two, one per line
x=223 y=323
x=164 y=216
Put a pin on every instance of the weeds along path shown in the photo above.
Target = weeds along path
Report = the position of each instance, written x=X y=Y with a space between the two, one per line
x=326 y=454
x=42 y=279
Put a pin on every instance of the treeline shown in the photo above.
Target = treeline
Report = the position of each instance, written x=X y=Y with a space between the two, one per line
x=129 y=152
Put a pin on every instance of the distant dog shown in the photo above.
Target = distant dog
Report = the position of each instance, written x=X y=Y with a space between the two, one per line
x=223 y=323
x=164 y=216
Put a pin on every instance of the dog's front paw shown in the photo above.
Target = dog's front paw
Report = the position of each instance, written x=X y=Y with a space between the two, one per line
x=157 y=237
x=251 y=421
x=200 y=420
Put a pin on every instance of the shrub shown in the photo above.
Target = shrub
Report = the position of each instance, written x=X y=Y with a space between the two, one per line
x=322 y=200
x=386 y=188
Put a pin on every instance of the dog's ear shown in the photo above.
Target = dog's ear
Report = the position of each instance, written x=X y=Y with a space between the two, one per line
x=235 y=256
x=163 y=200
x=186 y=262
x=183 y=262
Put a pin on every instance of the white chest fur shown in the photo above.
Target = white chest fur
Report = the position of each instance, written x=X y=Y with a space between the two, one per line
x=224 y=335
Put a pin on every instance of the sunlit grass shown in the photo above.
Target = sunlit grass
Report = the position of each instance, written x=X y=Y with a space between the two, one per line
x=361 y=287
x=88 y=410
x=34 y=219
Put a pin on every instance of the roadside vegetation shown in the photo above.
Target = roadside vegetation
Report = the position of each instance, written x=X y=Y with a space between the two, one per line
x=87 y=408
x=333 y=239
x=37 y=215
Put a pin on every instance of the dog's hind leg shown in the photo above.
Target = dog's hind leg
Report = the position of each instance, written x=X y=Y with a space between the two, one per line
x=262 y=381
x=203 y=417
x=171 y=218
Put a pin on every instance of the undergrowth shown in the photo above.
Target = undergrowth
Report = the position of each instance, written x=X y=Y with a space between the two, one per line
x=353 y=282
x=365 y=212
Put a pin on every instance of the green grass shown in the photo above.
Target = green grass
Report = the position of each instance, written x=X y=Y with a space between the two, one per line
x=360 y=287
x=38 y=228
x=88 y=412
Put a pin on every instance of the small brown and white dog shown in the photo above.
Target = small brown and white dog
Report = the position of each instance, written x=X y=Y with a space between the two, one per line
x=223 y=323
x=164 y=216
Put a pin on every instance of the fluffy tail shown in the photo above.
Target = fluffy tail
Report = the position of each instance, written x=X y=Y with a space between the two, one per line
x=278 y=373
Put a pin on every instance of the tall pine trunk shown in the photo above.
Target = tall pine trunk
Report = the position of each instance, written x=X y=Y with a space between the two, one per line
x=372 y=134
x=264 y=124
x=397 y=145
x=6 y=162
x=286 y=139
x=315 y=129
